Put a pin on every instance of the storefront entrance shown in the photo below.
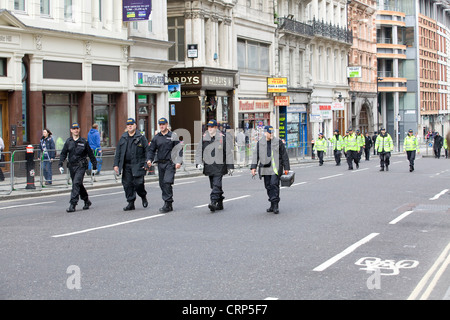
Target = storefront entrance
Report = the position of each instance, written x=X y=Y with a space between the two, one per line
x=145 y=111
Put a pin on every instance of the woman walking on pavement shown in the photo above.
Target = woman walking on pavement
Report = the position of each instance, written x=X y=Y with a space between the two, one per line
x=47 y=146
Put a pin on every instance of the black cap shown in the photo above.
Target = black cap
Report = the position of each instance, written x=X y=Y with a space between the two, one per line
x=75 y=125
x=130 y=121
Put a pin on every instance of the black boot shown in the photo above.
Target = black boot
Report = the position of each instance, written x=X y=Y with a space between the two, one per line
x=275 y=208
x=271 y=208
x=213 y=206
x=71 y=208
x=387 y=168
x=87 y=204
x=129 y=207
x=411 y=168
x=144 y=202
x=382 y=169
x=220 y=204
x=166 y=208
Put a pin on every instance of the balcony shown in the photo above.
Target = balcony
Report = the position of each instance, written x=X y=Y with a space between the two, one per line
x=316 y=28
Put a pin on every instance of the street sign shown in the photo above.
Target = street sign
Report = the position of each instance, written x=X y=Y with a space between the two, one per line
x=192 y=51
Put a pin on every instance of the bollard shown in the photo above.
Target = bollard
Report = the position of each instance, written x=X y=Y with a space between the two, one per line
x=30 y=167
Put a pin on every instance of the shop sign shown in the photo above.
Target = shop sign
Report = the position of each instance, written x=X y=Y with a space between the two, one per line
x=316 y=114
x=337 y=106
x=277 y=85
x=297 y=108
x=354 y=72
x=174 y=92
x=254 y=105
x=135 y=10
x=148 y=79
x=282 y=101
x=217 y=81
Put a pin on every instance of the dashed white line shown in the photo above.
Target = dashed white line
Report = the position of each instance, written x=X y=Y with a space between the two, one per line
x=439 y=194
x=347 y=251
x=400 y=217
x=333 y=176
x=26 y=205
x=237 y=198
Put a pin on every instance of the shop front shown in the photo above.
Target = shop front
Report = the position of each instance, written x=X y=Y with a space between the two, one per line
x=294 y=128
x=206 y=93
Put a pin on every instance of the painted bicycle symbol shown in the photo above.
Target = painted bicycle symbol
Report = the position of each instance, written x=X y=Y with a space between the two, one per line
x=385 y=267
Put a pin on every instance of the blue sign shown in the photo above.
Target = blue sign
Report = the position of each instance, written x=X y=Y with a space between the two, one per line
x=135 y=10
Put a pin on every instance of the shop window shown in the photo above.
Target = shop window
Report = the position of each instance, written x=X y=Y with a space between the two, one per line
x=145 y=110
x=60 y=110
x=104 y=114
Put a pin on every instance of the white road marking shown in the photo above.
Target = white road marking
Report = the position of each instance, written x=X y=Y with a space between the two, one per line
x=105 y=194
x=347 y=251
x=107 y=226
x=400 y=217
x=27 y=205
x=271 y=298
x=205 y=205
x=439 y=194
x=444 y=255
x=328 y=177
x=358 y=170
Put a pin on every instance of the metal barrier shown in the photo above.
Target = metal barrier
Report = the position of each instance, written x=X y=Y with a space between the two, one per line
x=6 y=174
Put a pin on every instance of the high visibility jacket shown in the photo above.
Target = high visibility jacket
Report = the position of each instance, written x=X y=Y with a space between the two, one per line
x=361 y=140
x=410 y=143
x=384 y=143
x=351 y=143
x=445 y=143
x=321 y=145
x=338 y=143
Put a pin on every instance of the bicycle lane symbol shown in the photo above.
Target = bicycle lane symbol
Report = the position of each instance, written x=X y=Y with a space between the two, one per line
x=378 y=267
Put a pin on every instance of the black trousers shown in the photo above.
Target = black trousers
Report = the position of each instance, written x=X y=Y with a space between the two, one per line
x=320 y=156
x=367 y=152
x=411 y=155
x=215 y=182
x=337 y=156
x=272 y=185
x=384 y=158
x=166 y=172
x=132 y=185
x=437 y=153
x=78 y=189
x=352 y=156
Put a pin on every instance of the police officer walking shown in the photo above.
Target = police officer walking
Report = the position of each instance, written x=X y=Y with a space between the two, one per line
x=352 y=148
x=337 y=142
x=76 y=149
x=166 y=146
x=320 y=146
x=271 y=158
x=129 y=160
x=384 y=146
x=411 y=145
x=214 y=156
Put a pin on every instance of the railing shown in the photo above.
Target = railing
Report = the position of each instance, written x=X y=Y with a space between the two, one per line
x=295 y=27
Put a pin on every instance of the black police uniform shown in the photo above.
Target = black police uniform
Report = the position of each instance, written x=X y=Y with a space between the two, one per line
x=264 y=155
x=76 y=152
x=216 y=155
x=131 y=159
x=169 y=151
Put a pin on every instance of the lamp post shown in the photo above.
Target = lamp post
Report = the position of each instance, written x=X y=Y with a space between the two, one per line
x=378 y=105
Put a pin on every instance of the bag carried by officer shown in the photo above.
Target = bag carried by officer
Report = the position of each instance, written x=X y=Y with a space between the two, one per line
x=287 y=179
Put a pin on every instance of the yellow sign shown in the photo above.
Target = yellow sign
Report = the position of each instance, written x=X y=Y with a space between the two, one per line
x=282 y=101
x=277 y=85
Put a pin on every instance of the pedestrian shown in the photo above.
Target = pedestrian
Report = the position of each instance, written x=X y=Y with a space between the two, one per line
x=47 y=147
x=271 y=159
x=94 y=143
x=214 y=156
x=166 y=145
x=438 y=143
x=411 y=145
x=384 y=146
x=361 y=143
x=367 y=146
x=129 y=160
x=2 y=147
x=320 y=147
x=240 y=143
x=447 y=138
x=76 y=149
x=352 y=148
x=446 y=147
x=374 y=139
x=338 y=143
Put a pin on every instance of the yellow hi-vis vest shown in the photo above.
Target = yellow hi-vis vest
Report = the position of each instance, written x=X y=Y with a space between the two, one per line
x=410 y=143
x=321 y=145
x=351 y=143
x=384 y=144
x=338 y=144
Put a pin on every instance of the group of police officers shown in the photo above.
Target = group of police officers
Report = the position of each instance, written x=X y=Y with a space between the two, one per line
x=134 y=156
x=214 y=156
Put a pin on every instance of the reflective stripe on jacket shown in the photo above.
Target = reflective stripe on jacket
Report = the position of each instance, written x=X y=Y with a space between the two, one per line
x=410 y=143
x=384 y=144
x=351 y=143
x=338 y=143
x=321 y=145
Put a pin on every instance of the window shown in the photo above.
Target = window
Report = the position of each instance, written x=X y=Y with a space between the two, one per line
x=104 y=114
x=45 y=7
x=60 y=110
x=253 y=57
x=176 y=34
x=3 y=67
x=68 y=10
x=19 y=5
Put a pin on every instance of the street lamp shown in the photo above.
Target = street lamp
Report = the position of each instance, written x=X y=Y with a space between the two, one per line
x=378 y=105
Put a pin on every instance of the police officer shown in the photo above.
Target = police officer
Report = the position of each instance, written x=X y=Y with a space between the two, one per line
x=351 y=148
x=271 y=158
x=361 y=143
x=214 y=156
x=338 y=141
x=166 y=146
x=411 y=145
x=320 y=146
x=129 y=160
x=384 y=146
x=76 y=149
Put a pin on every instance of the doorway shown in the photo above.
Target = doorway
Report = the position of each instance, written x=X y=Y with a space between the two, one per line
x=145 y=111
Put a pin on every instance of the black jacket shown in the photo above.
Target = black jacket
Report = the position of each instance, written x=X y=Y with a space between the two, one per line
x=215 y=153
x=138 y=153
x=166 y=147
x=78 y=151
x=438 y=142
x=263 y=160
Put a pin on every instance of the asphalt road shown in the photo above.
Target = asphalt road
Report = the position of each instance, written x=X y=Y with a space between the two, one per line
x=340 y=234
